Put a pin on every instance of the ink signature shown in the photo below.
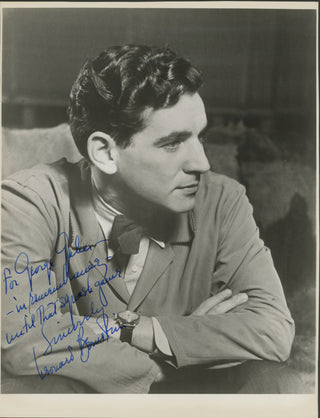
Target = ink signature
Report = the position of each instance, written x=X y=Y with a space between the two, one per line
x=46 y=310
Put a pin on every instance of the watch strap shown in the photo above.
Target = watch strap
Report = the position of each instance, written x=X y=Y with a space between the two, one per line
x=126 y=334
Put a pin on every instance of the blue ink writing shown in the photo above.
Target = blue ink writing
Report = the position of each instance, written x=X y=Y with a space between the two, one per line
x=24 y=330
x=54 y=368
x=23 y=259
x=86 y=345
x=64 y=334
x=7 y=276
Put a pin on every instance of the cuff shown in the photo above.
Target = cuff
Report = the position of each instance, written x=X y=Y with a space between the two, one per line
x=160 y=338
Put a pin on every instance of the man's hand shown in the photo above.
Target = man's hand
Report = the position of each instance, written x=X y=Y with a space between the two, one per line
x=143 y=335
x=220 y=303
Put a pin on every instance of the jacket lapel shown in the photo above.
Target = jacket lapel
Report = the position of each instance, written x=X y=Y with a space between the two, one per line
x=157 y=261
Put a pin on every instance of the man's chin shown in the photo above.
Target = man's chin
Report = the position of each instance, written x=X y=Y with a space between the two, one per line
x=183 y=206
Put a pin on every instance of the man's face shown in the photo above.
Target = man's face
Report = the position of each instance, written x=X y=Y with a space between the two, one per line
x=164 y=161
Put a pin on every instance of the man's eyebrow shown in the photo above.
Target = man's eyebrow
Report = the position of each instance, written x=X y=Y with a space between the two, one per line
x=178 y=136
x=173 y=136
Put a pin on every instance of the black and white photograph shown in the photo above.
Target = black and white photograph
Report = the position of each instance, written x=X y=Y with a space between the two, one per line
x=159 y=202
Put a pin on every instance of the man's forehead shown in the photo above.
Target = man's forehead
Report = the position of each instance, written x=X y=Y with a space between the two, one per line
x=187 y=115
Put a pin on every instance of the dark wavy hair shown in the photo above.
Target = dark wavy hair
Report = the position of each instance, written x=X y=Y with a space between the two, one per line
x=112 y=91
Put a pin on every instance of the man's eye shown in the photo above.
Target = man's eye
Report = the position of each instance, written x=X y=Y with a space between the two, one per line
x=172 y=146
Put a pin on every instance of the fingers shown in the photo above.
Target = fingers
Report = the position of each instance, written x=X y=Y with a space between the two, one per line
x=210 y=303
x=222 y=302
x=229 y=304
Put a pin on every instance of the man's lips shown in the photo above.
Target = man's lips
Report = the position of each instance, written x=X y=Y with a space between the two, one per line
x=196 y=184
x=190 y=187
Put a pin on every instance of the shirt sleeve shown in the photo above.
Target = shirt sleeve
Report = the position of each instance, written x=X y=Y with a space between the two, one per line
x=160 y=338
x=71 y=345
x=261 y=328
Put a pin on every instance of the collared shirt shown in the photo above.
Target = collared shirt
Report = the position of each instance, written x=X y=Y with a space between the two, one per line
x=105 y=215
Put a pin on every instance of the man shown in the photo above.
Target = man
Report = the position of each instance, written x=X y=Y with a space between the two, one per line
x=137 y=270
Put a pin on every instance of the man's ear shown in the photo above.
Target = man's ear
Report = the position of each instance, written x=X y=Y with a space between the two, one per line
x=102 y=152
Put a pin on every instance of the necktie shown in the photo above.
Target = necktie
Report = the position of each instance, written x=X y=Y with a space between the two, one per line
x=125 y=236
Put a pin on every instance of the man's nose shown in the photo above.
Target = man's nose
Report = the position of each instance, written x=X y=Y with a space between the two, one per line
x=196 y=160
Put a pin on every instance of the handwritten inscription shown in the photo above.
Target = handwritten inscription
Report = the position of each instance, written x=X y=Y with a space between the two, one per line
x=49 y=314
x=32 y=270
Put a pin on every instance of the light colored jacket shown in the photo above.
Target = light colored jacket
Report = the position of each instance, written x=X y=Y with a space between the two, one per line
x=58 y=288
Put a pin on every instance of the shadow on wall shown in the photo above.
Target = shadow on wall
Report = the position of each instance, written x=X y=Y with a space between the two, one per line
x=293 y=244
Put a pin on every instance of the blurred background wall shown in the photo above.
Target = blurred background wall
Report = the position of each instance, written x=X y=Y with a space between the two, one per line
x=257 y=63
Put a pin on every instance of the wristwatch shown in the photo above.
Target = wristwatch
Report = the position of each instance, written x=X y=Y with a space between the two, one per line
x=127 y=320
